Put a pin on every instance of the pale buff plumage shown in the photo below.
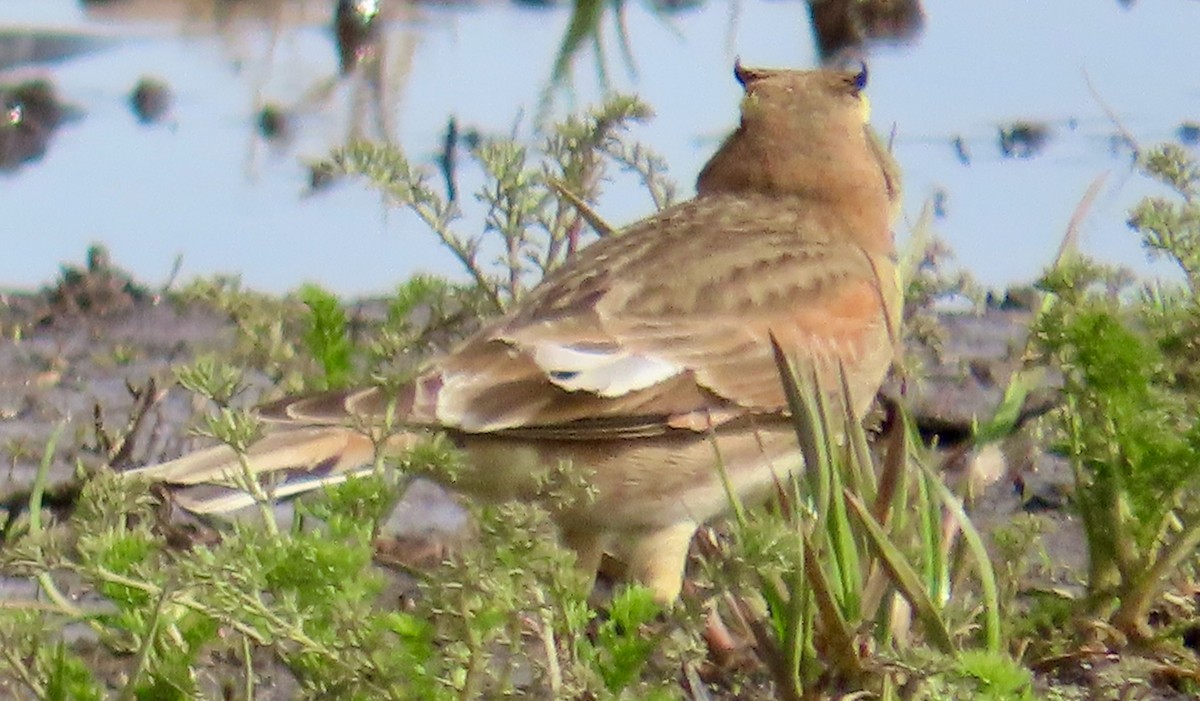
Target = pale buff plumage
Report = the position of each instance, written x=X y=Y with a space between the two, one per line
x=650 y=353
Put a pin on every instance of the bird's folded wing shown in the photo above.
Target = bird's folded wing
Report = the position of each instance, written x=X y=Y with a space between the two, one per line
x=676 y=326
x=655 y=331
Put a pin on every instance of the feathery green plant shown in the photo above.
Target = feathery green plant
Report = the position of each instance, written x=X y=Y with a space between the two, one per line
x=534 y=230
x=1131 y=421
x=326 y=337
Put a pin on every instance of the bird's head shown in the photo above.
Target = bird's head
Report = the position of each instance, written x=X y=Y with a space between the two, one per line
x=824 y=96
x=801 y=132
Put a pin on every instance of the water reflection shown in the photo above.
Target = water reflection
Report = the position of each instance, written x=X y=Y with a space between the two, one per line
x=24 y=48
x=356 y=27
x=206 y=15
x=844 y=29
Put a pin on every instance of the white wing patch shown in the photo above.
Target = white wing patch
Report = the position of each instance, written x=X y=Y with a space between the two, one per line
x=604 y=372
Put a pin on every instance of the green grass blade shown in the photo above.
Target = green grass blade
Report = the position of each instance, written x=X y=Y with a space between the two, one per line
x=987 y=575
x=929 y=522
x=802 y=403
x=842 y=651
x=861 y=460
x=904 y=577
x=845 y=552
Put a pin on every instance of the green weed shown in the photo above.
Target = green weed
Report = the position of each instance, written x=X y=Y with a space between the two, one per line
x=1130 y=424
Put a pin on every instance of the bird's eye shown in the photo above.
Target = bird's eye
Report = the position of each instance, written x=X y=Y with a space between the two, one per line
x=860 y=79
x=744 y=75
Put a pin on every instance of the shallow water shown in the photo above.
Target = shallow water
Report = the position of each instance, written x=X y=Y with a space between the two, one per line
x=204 y=185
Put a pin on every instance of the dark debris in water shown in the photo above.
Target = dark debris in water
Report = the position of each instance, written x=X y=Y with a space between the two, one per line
x=273 y=123
x=1189 y=133
x=961 y=151
x=1022 y=139
x=150 y=100
x=320 y=177
x=941 y=203
x=31 y=114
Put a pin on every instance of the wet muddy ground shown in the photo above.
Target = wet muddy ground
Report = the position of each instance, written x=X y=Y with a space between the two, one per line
x=90 y=347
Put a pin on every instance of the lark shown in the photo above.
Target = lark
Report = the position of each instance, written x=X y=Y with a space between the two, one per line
x=646 y=361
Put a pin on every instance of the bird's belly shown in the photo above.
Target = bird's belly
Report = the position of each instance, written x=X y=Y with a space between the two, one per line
x=636 y=483
x=699 y=494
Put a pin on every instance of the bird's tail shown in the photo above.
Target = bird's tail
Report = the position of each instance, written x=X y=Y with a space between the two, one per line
x=286 y=462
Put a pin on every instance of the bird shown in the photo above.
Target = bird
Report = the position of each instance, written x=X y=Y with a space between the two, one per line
x=645 y=363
